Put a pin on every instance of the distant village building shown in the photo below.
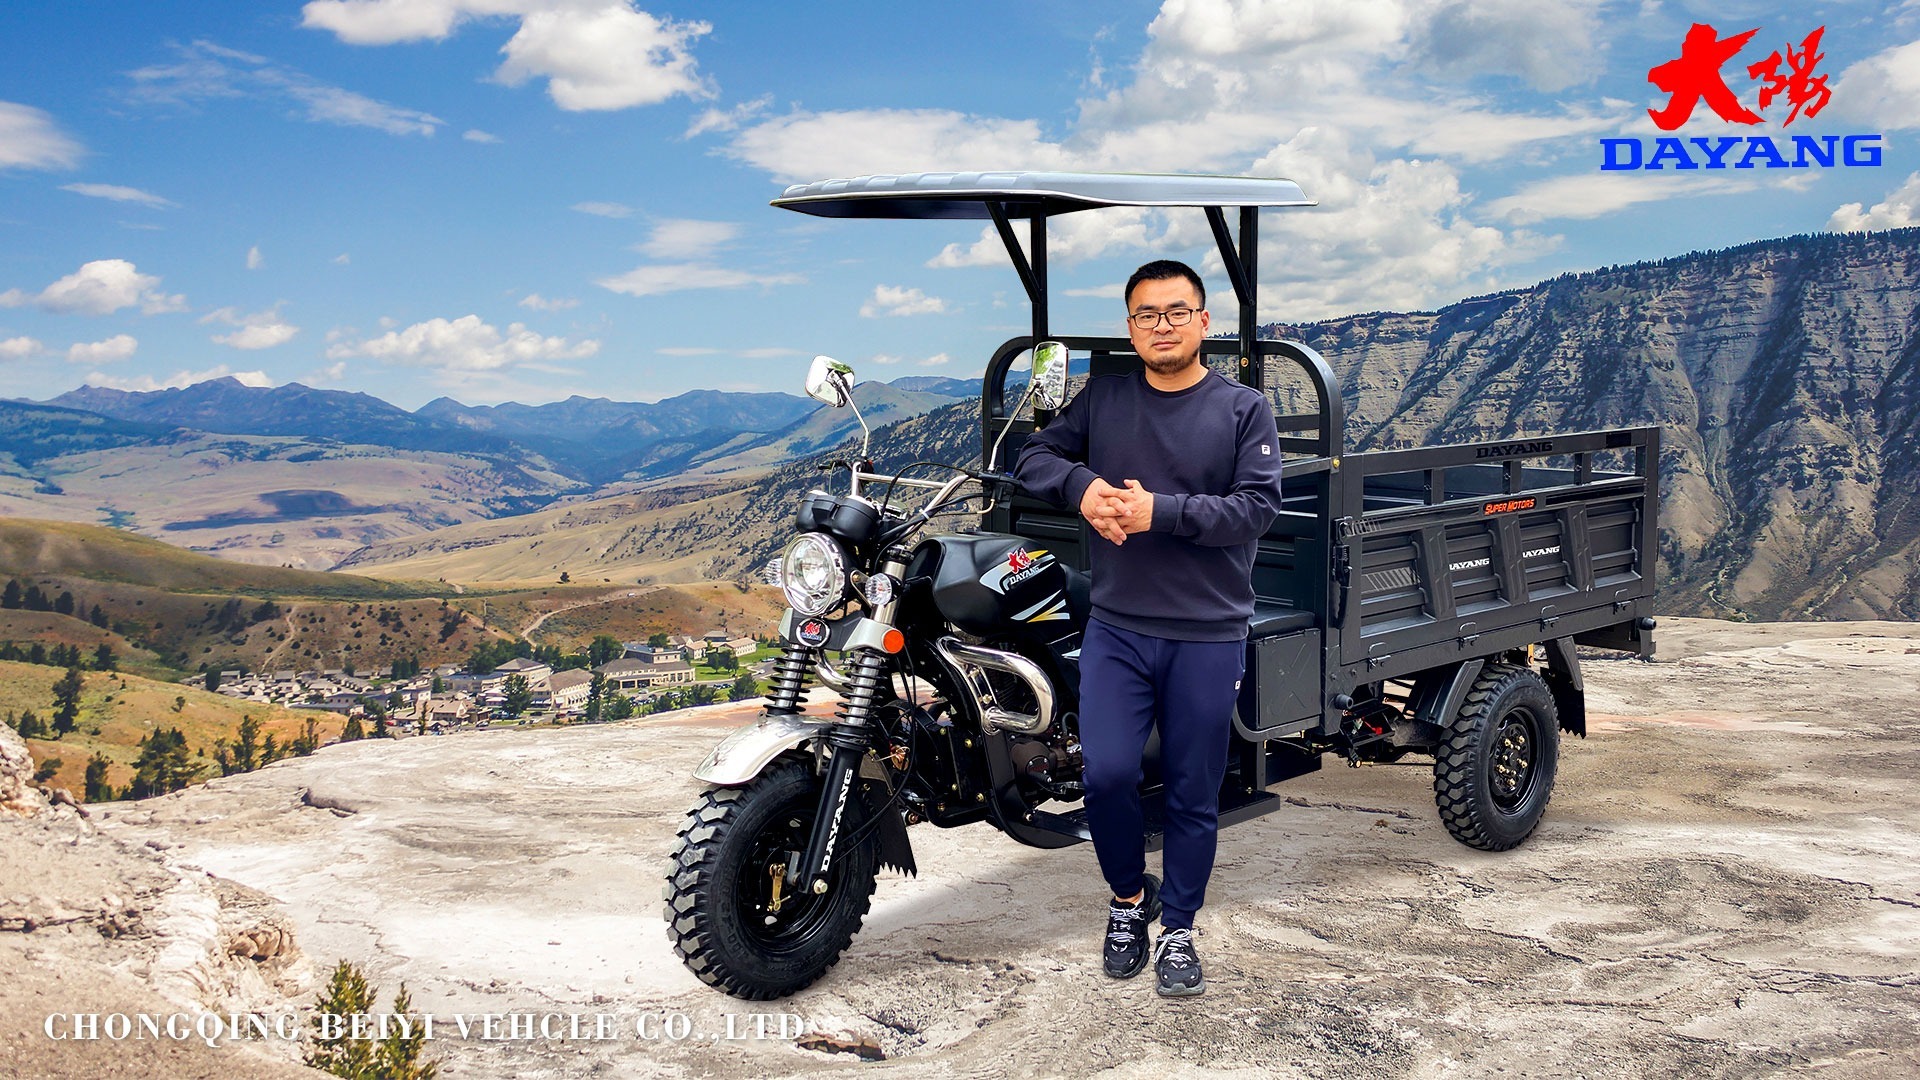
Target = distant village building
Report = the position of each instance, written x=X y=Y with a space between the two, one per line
x=636 y=650
x=564 y=691
x=632 y=674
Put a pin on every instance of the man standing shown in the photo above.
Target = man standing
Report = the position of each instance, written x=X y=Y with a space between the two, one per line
x=1177 y=469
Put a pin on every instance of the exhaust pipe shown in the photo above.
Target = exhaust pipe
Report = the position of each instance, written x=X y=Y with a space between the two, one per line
x=972 y=662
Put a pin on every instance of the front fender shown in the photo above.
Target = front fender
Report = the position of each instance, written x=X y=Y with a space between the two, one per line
x=741 y=755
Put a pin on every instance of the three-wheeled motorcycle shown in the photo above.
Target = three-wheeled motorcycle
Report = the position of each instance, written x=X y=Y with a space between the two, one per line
x=1425 y=601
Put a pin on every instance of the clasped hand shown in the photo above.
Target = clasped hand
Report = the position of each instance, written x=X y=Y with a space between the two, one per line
x=1115 y=512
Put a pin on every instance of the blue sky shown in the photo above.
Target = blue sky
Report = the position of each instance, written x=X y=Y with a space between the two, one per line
x=527 y=199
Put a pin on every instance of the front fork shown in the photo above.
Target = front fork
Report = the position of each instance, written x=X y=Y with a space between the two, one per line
x=868 y=685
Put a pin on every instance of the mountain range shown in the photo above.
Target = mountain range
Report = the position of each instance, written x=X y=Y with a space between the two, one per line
x=1785 y=375
x=294 y=475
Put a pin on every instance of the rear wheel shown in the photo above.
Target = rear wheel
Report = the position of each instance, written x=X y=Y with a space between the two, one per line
x=733 y=915
x=1494 y=769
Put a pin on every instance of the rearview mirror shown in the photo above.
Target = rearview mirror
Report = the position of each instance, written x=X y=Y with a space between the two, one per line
x=830 y=382
x=1049 y=375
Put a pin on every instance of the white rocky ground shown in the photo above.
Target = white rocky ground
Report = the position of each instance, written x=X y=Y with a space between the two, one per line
x=1725 y=885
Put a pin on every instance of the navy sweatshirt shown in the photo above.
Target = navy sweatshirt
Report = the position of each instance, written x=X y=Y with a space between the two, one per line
x=1211 y=456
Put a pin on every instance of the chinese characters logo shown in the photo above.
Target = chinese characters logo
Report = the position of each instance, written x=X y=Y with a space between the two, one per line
x=1789 y=82
x=1696 y=76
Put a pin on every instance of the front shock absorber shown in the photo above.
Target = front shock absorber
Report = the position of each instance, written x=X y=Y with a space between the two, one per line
x=789 y=678
x=866 y=683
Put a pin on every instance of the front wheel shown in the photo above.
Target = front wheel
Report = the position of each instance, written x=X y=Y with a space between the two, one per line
x=733 y=915
x=1494 y=769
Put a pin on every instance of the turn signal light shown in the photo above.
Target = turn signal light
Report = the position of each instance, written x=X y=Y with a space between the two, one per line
x=893 y=641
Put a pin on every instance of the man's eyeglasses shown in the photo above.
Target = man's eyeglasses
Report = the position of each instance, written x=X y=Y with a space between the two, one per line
x=1148 y=320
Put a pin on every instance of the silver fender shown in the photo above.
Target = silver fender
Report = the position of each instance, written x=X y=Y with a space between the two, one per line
x=741 y=755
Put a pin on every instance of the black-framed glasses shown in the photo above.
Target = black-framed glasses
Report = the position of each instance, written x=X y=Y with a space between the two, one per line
x=1149 y=320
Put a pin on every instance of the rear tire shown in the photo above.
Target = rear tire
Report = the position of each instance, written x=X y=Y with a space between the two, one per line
x=1493 y=772
x=719 y=888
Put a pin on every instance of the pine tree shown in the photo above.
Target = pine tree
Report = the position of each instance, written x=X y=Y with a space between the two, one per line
x=97 y=617
x=346 y=996
x=308 y=741
x=604 y=648
x=98 y=790
x=31 y=726
x=63 y=604
x=619 y=707
x=35 y=600
x=353 y=731
x=596 y=698
x=103 y=658
x=519 y=694
x=66 y=702
x=13 y=598
x=399 y=1055
x=744 y=687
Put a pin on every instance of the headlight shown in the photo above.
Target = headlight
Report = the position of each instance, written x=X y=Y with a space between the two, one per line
x=813 y=574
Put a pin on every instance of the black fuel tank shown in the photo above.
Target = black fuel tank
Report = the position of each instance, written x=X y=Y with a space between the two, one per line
x=991 y=583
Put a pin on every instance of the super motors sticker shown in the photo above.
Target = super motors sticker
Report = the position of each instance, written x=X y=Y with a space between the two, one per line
x=1786 y=84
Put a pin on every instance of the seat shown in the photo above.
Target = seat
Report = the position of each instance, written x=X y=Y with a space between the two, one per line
x=1272 y=619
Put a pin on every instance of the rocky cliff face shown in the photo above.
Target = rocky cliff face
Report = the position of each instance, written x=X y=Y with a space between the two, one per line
x=1785 y=376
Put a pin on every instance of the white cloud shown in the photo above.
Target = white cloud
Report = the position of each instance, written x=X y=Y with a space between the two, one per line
x=1071 y=239
x=728 y=119
x=767 y=353
x=1900 y=209
x=207 y=72
x=677 y=277
x=541 y=303
x=332 y=373
x=936 y=360
x=685 y=238
x=1592 y=195
x=178 y=380
x=465 y=344
x=1416 y=91
x=118 y=194
x=806 y=146
x=101 y=287
x=29 y=139
x=594 y=55
x=899 y=300
x=687 y=350
x=333 y=105
x=604 y=209
x=1103 y=292
x=476 y=135
x=20 y=348
x=260 y=330
x=342 y=259
x=111 y=351
x=1883 y=90
x=255 y=260
x=1551 y=45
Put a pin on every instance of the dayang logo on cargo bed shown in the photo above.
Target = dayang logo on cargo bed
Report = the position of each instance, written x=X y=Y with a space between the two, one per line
x=1787 y=83
x=1515 y=449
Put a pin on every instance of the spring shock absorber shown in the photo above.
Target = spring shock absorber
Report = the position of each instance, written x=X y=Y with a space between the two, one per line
x=789 y=678
x=865 y=684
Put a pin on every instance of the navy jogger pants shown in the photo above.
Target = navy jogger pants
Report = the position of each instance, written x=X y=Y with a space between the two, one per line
x=1128 y=683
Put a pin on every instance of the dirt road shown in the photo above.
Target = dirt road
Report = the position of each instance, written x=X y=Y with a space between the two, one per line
x=1726 y=885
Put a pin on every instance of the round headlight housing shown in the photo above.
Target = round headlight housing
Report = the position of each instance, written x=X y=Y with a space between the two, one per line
x=813 y=574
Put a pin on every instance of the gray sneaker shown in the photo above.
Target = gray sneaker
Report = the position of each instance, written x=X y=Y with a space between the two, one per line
x=1125 y=954
x=1177 y=964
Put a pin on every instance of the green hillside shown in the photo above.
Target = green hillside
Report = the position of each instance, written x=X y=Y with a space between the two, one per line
x=33 y=548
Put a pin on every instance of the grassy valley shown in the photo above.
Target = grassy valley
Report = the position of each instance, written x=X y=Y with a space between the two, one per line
x=118 y=710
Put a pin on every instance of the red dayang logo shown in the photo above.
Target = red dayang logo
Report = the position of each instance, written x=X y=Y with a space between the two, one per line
x=1018 y=560
x=1788 y=77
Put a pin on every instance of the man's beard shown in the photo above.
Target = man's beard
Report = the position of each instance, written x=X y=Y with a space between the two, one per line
x=1170 y=365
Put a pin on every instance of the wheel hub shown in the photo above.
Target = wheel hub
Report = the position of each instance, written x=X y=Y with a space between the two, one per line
x=1511 y=765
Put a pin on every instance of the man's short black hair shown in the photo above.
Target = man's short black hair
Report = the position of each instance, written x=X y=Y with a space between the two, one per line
x=1161 y=270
